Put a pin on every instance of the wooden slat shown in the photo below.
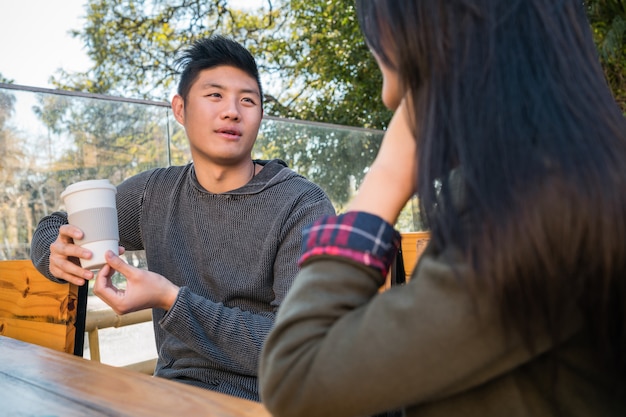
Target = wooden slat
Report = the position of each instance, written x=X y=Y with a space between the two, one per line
x=413 y=244
x=145 y=367
x=35 y=309
x=54 y=336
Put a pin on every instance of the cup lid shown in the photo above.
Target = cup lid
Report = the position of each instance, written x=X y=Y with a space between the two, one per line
x=88 y=184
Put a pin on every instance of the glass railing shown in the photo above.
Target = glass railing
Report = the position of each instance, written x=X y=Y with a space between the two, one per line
x=50 y=139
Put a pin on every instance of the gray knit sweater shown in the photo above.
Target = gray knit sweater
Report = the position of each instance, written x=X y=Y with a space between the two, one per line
x=233 y=255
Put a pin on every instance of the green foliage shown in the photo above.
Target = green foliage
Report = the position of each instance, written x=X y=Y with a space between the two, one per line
x=9 y=153
x=5 y=80
x=336 y=158
x=78 y=138
x=15 y=209
x=133 y=43
x=333 y=75
x=312 y=57
x=608 y=21
x=314 y=61
x=7 y=103
x=75 y=138
x=104 y=139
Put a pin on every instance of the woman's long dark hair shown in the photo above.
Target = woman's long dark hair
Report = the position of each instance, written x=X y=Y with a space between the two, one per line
x=509 y=95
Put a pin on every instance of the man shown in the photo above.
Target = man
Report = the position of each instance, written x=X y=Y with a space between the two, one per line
x=221 y=235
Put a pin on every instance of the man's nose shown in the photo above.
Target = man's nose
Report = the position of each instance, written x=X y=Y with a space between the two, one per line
x=231 y=110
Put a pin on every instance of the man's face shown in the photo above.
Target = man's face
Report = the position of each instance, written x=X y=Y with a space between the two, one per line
x=221 y=116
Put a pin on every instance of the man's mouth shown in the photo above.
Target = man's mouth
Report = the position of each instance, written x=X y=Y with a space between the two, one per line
x=229 y=132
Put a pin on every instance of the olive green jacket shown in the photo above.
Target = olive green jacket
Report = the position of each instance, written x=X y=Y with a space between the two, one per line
x=427 y=347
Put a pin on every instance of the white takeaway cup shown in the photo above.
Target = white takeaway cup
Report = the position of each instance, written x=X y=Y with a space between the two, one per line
x=90 y=206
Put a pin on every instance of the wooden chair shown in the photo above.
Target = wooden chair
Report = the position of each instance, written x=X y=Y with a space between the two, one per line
x=412 y=246
x=39 y=311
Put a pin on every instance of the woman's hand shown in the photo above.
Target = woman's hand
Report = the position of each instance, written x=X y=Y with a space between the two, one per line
x=392 y=179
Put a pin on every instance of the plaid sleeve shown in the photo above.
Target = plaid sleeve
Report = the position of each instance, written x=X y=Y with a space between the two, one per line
x=359 y=236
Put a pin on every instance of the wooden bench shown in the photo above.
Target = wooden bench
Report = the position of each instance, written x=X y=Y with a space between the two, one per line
x=107 y=319
x=39 y=311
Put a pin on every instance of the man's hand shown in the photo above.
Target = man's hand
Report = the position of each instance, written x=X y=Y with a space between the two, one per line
x=64 y=254
x=144 y=289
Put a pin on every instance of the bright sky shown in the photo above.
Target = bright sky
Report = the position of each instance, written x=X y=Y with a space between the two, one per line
x=35 y=41
x=34 y=38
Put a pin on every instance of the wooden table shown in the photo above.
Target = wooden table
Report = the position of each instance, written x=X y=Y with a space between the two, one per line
x=38 y=381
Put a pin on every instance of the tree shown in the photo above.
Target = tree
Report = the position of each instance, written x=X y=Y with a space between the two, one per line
x=15 y=215
x=103 y=139
x=314 y=61
x=5 y=80
x=133 y=44
x=608 y=21
x=334 y=158
x=323 y=52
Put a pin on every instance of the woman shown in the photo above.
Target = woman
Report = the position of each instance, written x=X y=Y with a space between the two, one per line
x=506 y=130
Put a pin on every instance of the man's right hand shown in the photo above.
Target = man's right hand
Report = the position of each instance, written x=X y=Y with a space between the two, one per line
x=64 y=256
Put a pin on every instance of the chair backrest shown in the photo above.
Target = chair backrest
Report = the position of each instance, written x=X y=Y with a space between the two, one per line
x=412 y=246
x=39 y=311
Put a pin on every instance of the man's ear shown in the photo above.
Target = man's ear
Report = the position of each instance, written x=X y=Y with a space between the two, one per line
x=178 y=108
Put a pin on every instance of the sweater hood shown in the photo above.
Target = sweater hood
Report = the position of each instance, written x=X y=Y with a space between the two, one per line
x=274 y=172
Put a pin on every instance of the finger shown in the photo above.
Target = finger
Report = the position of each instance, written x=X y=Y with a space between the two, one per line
x=60 y=262
x=106 y=271
x=65 y=243
x=73 y=279
x=68 y=269
x=66 y=249
x=103 y=282
x=67 y=231
x=118 y=264
x=106 y=291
